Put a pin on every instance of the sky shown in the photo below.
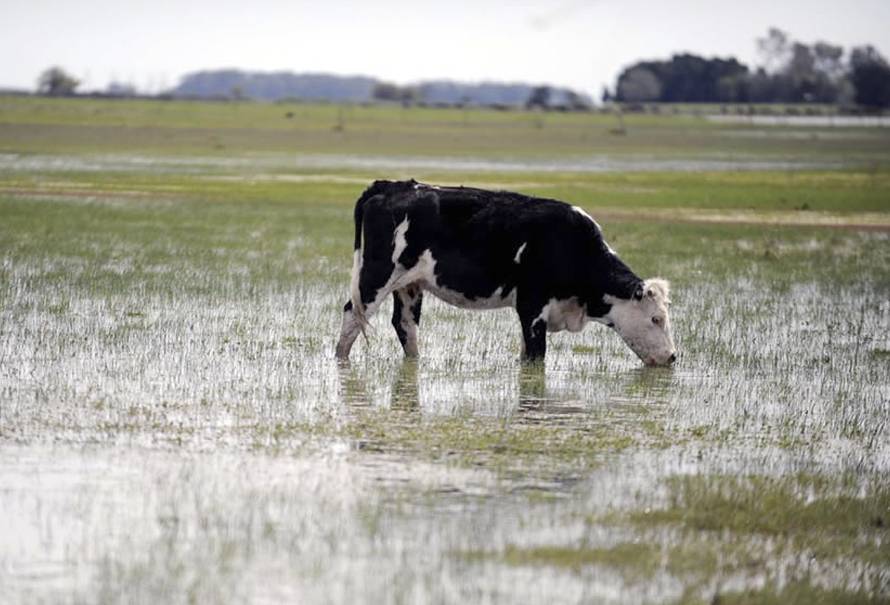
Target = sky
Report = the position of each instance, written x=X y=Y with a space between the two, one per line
x=582 y=44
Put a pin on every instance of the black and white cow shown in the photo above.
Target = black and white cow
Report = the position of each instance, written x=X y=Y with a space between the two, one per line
x=479 y=249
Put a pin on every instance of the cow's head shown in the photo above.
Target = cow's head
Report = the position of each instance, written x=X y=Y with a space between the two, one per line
x=643 y=322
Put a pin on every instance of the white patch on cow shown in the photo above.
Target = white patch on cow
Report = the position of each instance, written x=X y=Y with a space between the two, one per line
x=519 y=253
x=632 y=319
x=354 y=293
x=399 y=241
x=563 y=315
x=583 y=213
x=426 y=279
x=354 y=320
x=421 y=274
x=496 y=300
x=402 y=276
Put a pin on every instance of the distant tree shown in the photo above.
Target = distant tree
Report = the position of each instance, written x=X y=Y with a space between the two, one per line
x=774 y=49
x=801 y=70
x=575 y=101
x=56 y=82
x=386 y=91
x=802 y=63
x=798 y=72
x=791 y=72
x=638 y=85
x=829 y=59
x=539 y=97
x=606 y=95
x=870 y=76
x=684 y=78
x=833 y=85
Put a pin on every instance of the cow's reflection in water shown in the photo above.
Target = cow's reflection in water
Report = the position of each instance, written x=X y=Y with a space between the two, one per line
x=538 y=404
x=353 y=391
x=535 y=403
x=405 y=392
x=355 y=394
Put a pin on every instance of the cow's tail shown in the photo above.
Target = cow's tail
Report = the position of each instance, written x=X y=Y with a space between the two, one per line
x=358 y=308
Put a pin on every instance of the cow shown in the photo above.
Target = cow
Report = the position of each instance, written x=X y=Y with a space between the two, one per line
x=480 y=249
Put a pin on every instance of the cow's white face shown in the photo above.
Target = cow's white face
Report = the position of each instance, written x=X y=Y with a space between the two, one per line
x=643 y=322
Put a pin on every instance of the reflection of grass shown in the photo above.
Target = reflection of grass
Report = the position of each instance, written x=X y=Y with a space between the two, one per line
x=468 y=441
x=732 y=526
x=473 y=440
x=828 y=525
x=698 y=565
x=796 y=592
x=633 y=560
x=719 y=529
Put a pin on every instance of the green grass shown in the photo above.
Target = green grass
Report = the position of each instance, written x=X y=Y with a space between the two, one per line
x=836 y=523
x=183 y=127
x=730 y=527
x=634 y=560
x=797 y=592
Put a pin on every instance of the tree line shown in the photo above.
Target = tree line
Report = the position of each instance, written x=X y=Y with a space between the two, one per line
x=791 y=72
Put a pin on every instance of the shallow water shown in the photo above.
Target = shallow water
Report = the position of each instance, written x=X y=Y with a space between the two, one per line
x=808 y=121
x=193 y=438
x=210 y=165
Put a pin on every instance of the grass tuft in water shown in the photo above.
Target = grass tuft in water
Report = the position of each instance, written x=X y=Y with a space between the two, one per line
x=825 y=517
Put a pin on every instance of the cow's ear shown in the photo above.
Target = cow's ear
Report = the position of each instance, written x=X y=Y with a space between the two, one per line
x=638 y=293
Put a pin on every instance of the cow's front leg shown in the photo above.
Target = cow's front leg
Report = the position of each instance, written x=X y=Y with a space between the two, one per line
x=532 y=317
x=406 y=317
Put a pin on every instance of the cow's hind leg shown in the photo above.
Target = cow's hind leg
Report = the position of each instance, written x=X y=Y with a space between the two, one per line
x=349 y=331
x=406 y=317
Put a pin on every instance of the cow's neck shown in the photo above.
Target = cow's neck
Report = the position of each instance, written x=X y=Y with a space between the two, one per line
x=616 y=280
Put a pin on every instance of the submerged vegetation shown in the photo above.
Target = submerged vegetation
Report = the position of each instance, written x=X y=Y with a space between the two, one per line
x=173 y=425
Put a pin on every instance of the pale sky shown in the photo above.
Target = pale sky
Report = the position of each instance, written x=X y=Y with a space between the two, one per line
x=576 y=43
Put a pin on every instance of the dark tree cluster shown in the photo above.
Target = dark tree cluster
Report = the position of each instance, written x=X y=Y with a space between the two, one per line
x=385 y=91
x=791 y=72
x=870 y=77
x=683 y=79
x=56 y=82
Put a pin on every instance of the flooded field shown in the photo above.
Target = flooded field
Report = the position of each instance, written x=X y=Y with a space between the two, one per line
x=174 y=423
x=174 y=426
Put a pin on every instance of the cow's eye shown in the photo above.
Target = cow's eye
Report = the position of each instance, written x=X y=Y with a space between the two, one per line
x=656 y=321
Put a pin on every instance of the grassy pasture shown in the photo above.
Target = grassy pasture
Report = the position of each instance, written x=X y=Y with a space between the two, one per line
x=227 y=129
x=173 y=426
